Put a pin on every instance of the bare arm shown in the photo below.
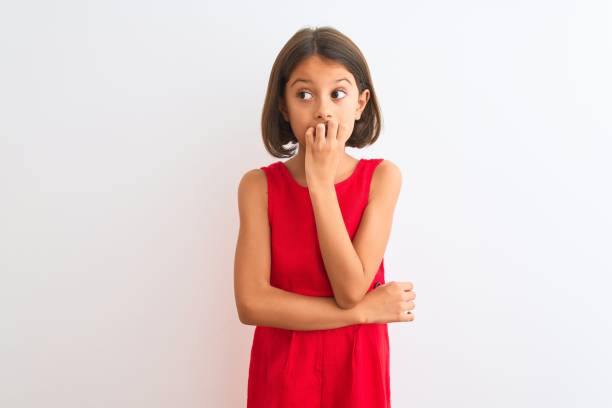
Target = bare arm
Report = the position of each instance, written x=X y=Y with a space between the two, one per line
x=287 y=310
x=258 y=302
x=352 y=265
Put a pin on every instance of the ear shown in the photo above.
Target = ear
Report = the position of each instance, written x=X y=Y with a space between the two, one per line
x=362 y=102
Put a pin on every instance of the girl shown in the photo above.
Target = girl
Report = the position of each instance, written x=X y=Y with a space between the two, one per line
x=308 y=270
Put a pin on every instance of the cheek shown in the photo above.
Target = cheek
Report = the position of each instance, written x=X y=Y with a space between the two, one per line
x=299 y=130
x=349 y=126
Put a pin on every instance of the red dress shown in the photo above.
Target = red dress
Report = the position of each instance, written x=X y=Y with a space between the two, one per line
x=346 y=367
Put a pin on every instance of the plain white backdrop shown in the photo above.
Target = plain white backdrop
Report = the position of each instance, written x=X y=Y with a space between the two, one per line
x=125 y=127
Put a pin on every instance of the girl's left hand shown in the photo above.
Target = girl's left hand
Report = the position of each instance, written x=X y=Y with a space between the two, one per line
x=324 y=151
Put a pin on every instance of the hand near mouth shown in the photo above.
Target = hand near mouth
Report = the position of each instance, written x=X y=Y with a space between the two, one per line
x=324 y=149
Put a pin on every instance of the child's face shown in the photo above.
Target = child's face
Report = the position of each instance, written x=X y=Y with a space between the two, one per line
x=307 y=103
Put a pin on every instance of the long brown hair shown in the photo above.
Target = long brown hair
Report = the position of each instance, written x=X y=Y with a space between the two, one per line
x=331 y=44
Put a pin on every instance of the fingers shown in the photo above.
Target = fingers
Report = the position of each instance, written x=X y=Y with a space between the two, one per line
x=405 y=285
x=409 y=295
x=407 y=314
x=309 y=137
x=338 y=131
x=332 y=129
x=343 y=133
x=320 y=135
x=329 y=134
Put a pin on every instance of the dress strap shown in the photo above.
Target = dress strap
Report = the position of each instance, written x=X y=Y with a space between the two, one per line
x=368 y=172
x=274 y=183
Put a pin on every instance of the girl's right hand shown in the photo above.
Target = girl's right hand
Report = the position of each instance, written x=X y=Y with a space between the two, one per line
x=390 y=302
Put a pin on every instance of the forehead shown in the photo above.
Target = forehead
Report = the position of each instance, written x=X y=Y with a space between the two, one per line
x=319 y=70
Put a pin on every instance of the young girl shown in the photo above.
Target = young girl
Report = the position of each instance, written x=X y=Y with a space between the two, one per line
x=308 y=269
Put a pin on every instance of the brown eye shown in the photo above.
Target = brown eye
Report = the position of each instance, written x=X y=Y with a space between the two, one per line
x=302 y=92
x=339 y=90
x=306 y=92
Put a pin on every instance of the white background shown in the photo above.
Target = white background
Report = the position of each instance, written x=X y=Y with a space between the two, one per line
x=125 y=127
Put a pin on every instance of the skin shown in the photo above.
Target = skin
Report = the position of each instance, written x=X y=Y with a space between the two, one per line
x=320 y=163
x=307 y=104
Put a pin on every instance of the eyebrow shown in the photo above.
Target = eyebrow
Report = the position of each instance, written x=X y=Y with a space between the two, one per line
x=309 y=81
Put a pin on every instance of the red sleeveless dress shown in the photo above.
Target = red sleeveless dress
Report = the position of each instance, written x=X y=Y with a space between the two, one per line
x=346 y=367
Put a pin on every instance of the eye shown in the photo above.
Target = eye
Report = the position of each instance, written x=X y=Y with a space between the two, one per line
x=340 y=90
x=302 y=92
x=306 y=92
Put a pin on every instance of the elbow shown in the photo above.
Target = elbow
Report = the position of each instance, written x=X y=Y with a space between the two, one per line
x=350 y=297
x=248 y=306
x=349 y=300
x=245 y=314
x=346 y=302
x=245 y=318
x=346 y=305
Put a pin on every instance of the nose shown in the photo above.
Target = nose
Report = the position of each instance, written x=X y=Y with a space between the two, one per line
x=323 y=111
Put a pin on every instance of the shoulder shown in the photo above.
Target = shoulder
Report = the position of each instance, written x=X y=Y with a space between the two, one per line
x=252 y=190
x=387 y=174
x=252 y=181
x=388 y=168
x=386 y=180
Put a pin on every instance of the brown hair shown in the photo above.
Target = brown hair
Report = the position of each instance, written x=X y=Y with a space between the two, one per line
x=333 y=45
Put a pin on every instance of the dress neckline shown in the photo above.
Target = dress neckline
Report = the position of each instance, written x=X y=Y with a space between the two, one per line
x=341 y=182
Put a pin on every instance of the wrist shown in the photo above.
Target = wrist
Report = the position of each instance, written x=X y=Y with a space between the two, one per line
x=360 y=315
x=320 y=190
